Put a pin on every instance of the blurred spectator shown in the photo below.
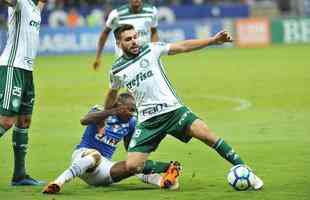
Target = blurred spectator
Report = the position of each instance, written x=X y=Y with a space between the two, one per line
x=284 y=6
x=93 y=12
x=57 y=18
x=95 y=18
x=198 y=2
x=74 y=19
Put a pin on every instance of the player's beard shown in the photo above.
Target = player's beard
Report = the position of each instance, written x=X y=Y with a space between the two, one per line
x=136 y=4
x=35 y=2
x=129 y=53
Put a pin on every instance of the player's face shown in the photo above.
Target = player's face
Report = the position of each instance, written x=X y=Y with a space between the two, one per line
x=135 y=3
x=131 y=107
x=129 y=42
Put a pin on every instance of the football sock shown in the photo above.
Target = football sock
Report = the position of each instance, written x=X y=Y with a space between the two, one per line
x=2 y=131
x=151 y=166
x=77 y=168
x=20 y=145
x=153 y=179
x=227 y=152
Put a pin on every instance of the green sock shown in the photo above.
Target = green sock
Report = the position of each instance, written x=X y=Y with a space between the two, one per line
x=227 y=152
x=151 y=166
x=2 y=131
x=20 y=143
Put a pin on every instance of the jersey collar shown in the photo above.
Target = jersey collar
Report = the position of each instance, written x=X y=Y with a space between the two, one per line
x=131 y=56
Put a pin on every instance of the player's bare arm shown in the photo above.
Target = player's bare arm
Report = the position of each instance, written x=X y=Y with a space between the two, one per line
x=111 y=98
x=99 y=116
x=101 y=43
x=154 y=35
x=192 y=45
x=11 y=3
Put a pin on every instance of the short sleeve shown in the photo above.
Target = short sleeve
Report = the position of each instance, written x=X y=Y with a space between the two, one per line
x=22 y=4
x=160 y=48
x=111 y=21
x=154 y=18
x=115 y=81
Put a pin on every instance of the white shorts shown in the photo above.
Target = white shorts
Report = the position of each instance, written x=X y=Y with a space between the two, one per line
x=101 y=175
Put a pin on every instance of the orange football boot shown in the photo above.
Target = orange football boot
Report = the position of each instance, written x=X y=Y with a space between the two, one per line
x=170 y=179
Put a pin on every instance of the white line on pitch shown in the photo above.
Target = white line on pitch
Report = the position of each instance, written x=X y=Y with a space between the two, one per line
x=243 y=103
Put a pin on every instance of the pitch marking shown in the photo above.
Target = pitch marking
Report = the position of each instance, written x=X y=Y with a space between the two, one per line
x=242 y=103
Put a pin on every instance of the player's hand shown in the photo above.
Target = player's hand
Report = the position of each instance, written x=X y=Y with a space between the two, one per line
x=222 y=37
x=124 y=112
x=96 y=64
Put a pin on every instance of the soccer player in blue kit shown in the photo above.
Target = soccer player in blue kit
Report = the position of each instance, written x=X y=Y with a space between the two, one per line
x=91 y=160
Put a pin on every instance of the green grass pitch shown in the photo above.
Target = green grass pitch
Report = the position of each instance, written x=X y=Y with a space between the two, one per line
x=256 y=99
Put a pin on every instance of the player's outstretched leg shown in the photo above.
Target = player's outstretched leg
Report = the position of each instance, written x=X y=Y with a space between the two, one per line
x=86 y=161
x=201 y=131
x=169 y=180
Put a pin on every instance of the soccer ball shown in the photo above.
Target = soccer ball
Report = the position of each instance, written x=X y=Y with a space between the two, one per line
x=240 y=177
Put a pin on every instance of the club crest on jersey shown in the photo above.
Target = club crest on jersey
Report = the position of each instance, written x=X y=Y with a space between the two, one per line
x=35 y=24
x=144 y=63
x=142 y=76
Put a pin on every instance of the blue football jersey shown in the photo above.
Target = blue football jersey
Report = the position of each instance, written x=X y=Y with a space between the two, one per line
x=106 y=139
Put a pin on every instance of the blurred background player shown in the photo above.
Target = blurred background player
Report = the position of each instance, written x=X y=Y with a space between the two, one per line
x=16 y=80
x=141 y=15
x=160 y=110
x=91 y=161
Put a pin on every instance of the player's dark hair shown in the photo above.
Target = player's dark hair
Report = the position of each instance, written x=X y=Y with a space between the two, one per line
x=123 y=97
x=119 y=30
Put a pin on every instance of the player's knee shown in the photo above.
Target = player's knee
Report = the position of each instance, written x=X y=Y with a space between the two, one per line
x=95 y=155
x=7 y=122
x=134 y=167
x=202 y=132
x=24 y=121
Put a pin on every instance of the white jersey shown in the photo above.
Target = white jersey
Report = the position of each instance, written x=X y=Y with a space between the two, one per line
x=142 y=22
x=145 y=78
x=23 y=35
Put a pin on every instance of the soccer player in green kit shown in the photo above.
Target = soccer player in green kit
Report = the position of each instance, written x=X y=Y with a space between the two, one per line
x=141 y=15
x=160 y=110
x=16 y=80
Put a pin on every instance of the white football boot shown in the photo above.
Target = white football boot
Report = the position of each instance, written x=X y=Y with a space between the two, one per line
x=257 y=183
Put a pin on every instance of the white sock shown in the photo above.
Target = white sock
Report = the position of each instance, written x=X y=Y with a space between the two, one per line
x=153 y=179
x=77 y=168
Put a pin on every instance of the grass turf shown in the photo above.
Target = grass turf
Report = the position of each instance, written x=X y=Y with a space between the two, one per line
x=258 y=100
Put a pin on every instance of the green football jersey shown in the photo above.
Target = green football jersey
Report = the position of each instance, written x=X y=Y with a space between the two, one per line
x=144 y=76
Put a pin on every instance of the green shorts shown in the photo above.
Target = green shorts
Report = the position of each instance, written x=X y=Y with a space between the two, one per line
x=16 y=91
x=149 y=134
